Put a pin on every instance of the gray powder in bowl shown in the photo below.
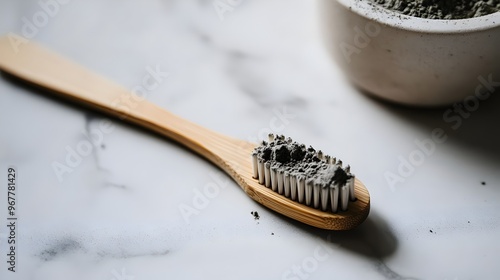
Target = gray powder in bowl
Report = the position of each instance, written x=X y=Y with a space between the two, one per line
x=442 y=9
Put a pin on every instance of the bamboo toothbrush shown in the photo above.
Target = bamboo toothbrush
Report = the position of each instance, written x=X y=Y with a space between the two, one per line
x=340 y=204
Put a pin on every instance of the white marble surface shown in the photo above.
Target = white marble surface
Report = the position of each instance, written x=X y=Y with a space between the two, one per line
x=116 y=215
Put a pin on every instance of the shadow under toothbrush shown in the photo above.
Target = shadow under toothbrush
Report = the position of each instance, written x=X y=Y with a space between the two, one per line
x=372 y=239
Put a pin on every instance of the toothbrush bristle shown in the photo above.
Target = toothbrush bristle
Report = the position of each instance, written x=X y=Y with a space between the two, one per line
x=303 y=174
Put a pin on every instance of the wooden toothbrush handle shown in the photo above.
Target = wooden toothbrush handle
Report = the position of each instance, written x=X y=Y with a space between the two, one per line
x=46 y=69
x=41 y=67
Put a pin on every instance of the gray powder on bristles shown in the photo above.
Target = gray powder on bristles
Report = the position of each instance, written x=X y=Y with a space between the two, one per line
x=442 y=9
x=287 y=155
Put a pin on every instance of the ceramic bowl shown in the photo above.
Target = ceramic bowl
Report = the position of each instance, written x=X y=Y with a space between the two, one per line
x=410 y=60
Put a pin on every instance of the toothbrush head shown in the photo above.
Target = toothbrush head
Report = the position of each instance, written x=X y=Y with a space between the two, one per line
x=304 y=175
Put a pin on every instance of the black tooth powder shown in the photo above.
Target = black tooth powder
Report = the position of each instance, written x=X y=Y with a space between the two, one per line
x=294 y=158
x=441 y=9
x=282 y=154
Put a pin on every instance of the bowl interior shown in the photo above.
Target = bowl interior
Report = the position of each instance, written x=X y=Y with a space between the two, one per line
x=385 y=16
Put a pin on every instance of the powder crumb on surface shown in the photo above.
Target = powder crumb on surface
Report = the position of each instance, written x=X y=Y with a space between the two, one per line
x=442 y=9
x=255 y=215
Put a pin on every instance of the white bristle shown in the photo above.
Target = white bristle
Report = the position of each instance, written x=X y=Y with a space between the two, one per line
x=280 y=181
x=274 y=179
x=308 y=192
x=344 y=197
x=320 y=154
x=261 y=175
x=347 y=169
x=351 y=183
x=324 y=198
x=334 y=197
x=333 y=160
x=271 y=137
x=328 y=159
x=267 y=174
x=301 y=188
x=339 y=163
x=255 y=166
x=293 y=187
x=286 y=183
x=316 y=194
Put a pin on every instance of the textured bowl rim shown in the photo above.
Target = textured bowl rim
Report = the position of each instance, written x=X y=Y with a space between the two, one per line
x=384 y=16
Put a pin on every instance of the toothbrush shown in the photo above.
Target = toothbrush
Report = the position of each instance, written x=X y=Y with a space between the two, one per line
x=315 y=189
